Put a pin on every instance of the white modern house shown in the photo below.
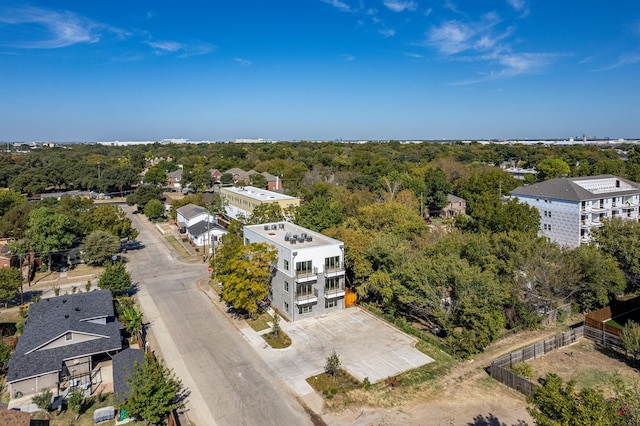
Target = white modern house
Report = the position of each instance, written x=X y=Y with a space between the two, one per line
x=240 y=201
x=191 y=214
x=571 y=208
x=309 y=277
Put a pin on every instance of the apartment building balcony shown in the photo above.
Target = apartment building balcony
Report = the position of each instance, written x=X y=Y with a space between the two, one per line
x=598 y=208
x=585 y=223
x=306 y=276
x=334 y=293
x=307 y=298
x=596 y=224
x=335 y=271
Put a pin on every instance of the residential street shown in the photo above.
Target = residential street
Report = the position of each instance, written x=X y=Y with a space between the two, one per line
x=228 y=383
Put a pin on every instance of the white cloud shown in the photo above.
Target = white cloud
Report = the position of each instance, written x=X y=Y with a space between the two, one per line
x=413 y=55
x=165 y=46
x=387 y=32
x=520 y=6
x=625 y=59
x=348 y=58
x=61 y=28
x=338 y=4
x=243 y=62
x=401 y=5
x=451 y=37
x=183 y=50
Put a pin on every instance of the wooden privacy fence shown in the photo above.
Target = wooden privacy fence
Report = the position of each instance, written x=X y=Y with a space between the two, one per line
x=597 y=319
x=604 y=338
x=499 y=368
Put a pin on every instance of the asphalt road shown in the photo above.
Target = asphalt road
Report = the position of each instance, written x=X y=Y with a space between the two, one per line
x=228 y=383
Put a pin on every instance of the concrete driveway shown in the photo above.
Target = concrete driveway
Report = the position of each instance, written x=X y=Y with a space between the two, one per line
x=367 y=347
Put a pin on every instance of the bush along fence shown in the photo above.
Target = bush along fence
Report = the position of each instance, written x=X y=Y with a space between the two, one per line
x=499 y=368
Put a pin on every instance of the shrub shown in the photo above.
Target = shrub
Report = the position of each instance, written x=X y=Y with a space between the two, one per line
x=522 y=369
x=366 y=384
x=43 y=399
x=56 y=291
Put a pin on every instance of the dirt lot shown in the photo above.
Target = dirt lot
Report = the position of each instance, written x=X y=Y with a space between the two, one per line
x=586 y=364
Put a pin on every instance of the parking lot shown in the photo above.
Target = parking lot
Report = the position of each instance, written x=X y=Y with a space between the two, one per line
x=367 y=347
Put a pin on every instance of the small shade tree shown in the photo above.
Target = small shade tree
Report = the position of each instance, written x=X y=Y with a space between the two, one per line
x=154 y=391
x=98 y=247
x=630 y=339
x=115 y=278
x=333 y=364
x=9 y=284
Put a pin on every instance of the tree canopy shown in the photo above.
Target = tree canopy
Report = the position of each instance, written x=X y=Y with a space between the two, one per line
x=154 y=391
x=248 y=278
x=115 y=278
x=98 y=247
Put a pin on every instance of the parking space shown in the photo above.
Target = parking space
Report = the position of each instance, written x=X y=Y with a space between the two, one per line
x=367 y=347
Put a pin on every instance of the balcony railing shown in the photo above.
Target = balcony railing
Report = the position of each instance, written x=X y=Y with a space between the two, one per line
x=307 y=298
x=333 y=271
x=306 y=276
x=333 y=293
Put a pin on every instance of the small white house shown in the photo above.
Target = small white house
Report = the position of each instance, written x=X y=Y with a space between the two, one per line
x=198 y=233
x=191 y=214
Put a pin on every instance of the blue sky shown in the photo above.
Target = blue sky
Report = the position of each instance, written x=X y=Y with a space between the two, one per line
x=318 y=69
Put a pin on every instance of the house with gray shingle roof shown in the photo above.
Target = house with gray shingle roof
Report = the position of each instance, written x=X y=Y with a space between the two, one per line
x=62 y=340
x=191 y=214
x=571 y=208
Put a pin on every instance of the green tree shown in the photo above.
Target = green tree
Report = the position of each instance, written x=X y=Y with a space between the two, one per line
x=558 y=404
x=437 y=187
x=143 y=195
x=115 y=278
x=5 y=354
x=98 y=247
x=621 y=239
x=630 y=339
x=600 y=277
x=249 y=277
x=265 y=213
x=275 y=329
x=258 y=180
x=332 y=366
x=110 y=218
x=155 y=175
x=75 y=400
x=154 y=209
x=9 y=199
x=551 y=168
x=628 y=398
x=50 y=232
x=319 y=214
x=132 y=318
x=154 y=391
x=75 y=206
x=9 y=284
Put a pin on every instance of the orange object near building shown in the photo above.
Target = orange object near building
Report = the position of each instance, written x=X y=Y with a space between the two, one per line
x=350 y=298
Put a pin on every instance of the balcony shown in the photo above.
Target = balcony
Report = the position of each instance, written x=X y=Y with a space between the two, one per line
x=307 y=298
x=306 y=276
x=334 y=293
x=333 y=271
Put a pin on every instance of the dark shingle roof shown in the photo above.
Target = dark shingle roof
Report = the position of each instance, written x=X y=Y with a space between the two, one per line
x=52 y=318
x=201 y=228
x=567 y=189
x=191 y=210
x=123 y=366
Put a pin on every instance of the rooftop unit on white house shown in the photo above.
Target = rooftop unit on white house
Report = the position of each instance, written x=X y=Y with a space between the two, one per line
x=310 y=276
x=571 y=208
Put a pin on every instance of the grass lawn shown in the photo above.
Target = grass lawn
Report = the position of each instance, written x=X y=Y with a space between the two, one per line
x=177 y=246
x=82 y=270
x=260 y=322
x=46 y=276
x=614 y=323
x=330 y=386
x=280 y=342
